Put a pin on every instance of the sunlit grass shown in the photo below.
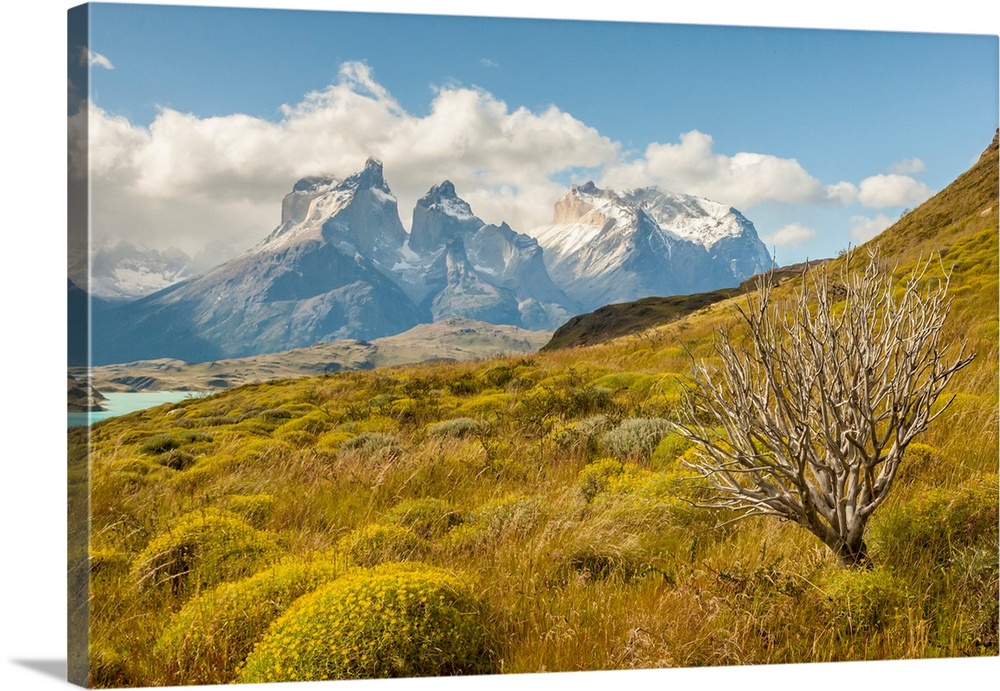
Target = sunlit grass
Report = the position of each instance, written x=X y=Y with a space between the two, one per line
x=549 y=487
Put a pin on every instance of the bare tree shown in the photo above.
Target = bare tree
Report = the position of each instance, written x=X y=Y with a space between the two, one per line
x=809 y=414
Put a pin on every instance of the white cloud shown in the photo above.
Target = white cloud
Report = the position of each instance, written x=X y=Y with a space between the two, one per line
x=743 y=179
x=864 y=228
x=185 y=178
x=880 y=191
x=486 y=62
x=842 y=193
x=95 y=59
x=789 y=236
x=908 y=166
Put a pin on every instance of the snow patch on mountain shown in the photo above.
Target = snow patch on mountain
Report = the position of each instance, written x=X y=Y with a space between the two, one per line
x=604 y=247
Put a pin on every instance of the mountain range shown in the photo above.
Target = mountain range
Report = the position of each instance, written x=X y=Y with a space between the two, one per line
x=341 y=265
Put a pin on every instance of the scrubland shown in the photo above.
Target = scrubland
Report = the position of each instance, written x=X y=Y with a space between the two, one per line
x=528 y=514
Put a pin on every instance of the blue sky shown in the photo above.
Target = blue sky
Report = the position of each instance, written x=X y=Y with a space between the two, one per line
x=820 y=137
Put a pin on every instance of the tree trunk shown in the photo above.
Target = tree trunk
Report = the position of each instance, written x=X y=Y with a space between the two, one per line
x=854 y=554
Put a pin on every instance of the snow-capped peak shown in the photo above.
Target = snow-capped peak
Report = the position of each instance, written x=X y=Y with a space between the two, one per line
x=687 y=217
x=443 y=198
x=604 y=246
x=314 y=202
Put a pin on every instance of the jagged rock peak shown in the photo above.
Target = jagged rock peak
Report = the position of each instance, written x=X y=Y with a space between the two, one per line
x=587 y=188
x=443 y=198
x=369 y=177
x=313 y=183
x=445 y=190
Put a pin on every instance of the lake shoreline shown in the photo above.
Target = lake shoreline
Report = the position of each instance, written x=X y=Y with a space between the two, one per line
x=118 y=403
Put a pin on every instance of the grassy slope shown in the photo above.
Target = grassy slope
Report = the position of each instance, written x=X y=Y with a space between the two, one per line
x=626 y=318
x=575 y=537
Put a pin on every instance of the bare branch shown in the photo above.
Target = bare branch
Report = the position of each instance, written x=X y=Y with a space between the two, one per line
x=809 y=418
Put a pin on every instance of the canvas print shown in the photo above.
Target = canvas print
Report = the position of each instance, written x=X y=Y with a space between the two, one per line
x=411 y=346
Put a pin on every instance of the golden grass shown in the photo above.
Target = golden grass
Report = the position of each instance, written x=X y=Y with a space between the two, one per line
x=578 y=565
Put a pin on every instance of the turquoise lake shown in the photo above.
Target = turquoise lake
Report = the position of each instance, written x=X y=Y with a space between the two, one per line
x=122 y=403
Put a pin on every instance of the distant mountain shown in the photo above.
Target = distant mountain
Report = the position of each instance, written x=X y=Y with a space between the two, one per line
x=478 y=270
x=123 y=271
x=340 y=265
x=80 y=308
x=81 y=397
x=603 y=247
x=319 y=276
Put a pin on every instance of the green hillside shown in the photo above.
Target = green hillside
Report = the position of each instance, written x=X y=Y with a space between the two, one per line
x=540 y=511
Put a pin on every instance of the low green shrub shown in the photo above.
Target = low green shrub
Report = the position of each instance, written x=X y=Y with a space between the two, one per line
x=456 y=427
x=918 y=459
x=862 y=601
x=669 y=450
x=373 y=443
x=161 y=443
x=635 y=439
x=512 y=516
x=429 y=518
x=332 y=441
x=177 y=459
x=255 y=509
x=605 y=561
x=202 y=549
x=610 y=475
x=401 y=620
x=378 y=543
x=933 y=525
x=213 y=633
x=582 y=436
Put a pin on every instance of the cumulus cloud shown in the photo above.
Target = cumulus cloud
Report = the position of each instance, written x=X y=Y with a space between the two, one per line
x=842 y=193
x=908 y=166
x=486 y=62
x=880 y=191
x=186 y=176
x=743 y=179
x=789 y=236
x=94 y=59
x=864 y=228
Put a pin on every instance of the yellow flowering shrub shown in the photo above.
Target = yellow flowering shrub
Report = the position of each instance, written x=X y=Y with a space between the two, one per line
x=202 y=549
x=255 y=509
x=399 y=620
x=212 y=634
x=378 y=543
x=860 y=601
x=608 y=474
